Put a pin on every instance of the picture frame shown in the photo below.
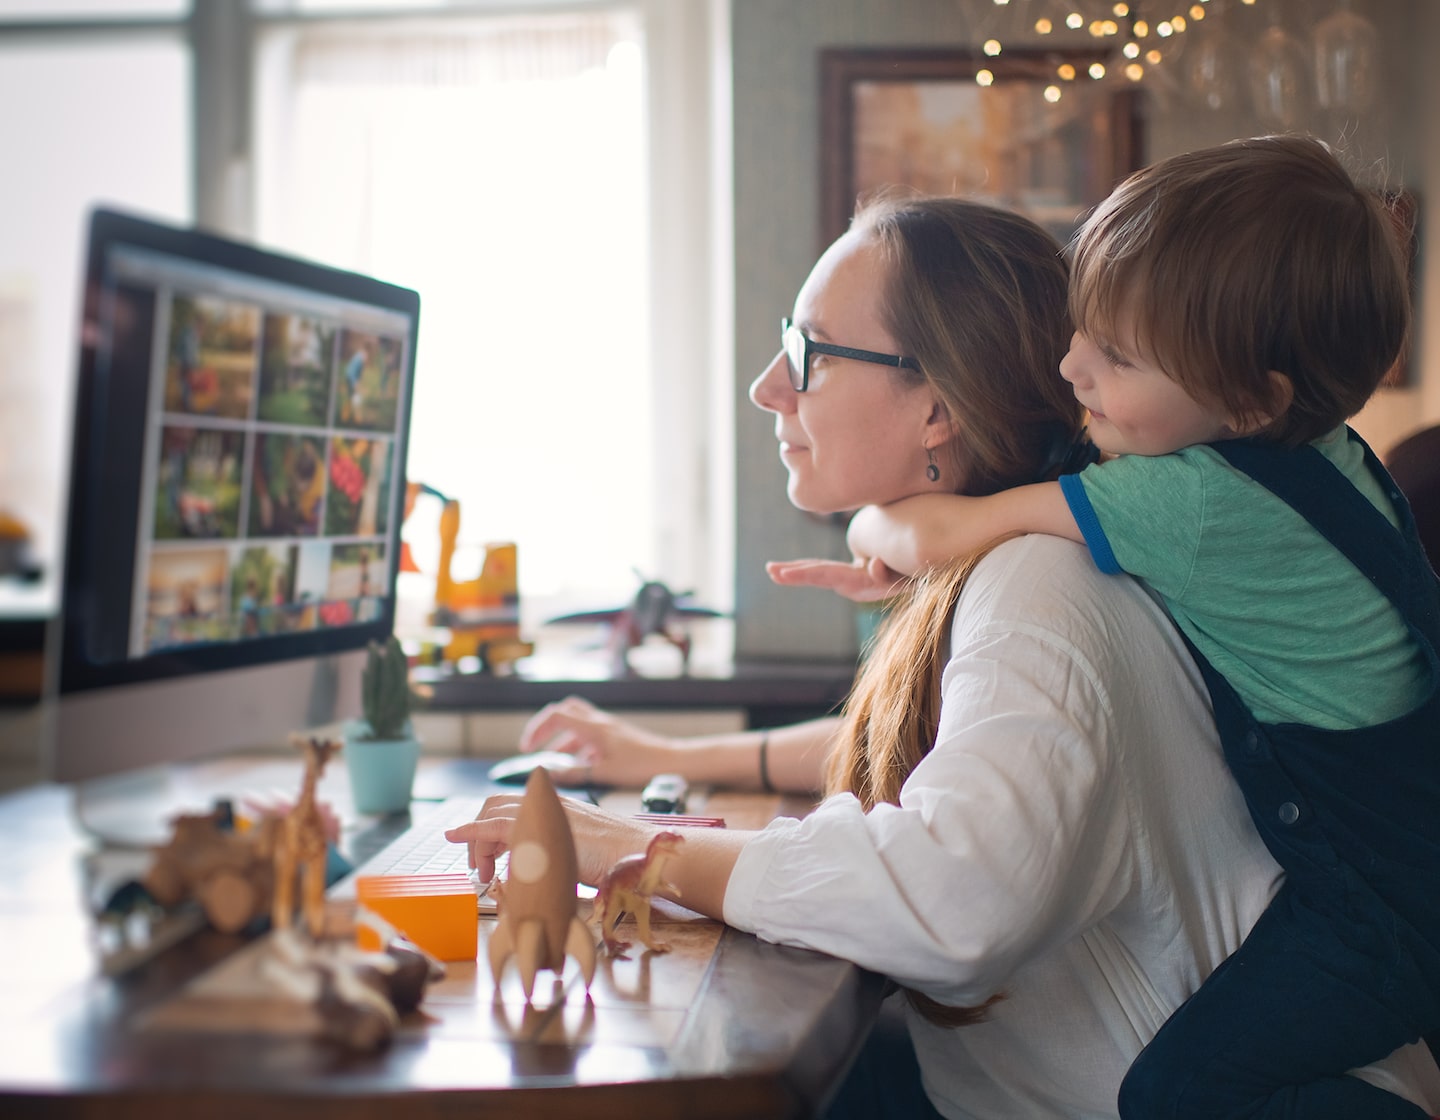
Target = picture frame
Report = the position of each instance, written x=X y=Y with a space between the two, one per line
x=1403 y=207
x=917 y=119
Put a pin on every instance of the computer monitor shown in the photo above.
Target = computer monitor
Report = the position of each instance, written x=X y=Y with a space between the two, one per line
x=236 y=492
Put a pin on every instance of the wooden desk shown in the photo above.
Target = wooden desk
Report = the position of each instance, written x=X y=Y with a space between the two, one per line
x=754 y=1030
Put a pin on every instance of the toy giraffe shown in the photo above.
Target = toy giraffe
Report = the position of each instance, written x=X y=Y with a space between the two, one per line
x=301 y=849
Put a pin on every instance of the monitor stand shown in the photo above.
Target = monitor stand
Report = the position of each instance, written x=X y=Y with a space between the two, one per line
x=128 y=816
x=137 y=755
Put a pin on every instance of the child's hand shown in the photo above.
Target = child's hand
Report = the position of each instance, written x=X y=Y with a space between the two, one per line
x=864 y=581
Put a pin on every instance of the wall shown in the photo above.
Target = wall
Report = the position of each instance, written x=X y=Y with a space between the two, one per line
x=775 y=45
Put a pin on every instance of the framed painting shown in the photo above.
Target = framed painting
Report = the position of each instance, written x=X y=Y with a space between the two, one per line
x=1403 y=207
x=920 y=119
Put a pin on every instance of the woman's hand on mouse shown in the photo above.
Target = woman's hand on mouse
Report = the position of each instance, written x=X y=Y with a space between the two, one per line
x=611 y=751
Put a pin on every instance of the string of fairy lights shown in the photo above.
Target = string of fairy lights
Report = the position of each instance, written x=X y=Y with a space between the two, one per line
x=1142 y=41
x=1332 y=63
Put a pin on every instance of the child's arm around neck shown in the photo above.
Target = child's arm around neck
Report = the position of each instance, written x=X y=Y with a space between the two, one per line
x=929 y=529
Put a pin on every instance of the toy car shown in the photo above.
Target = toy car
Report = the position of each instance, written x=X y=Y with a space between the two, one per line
x=665 y=793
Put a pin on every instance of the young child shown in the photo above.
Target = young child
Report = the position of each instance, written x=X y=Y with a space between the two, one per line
x=1234 y=306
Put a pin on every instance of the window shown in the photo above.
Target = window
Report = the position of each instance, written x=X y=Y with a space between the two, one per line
x=543 y=177
x=501 y=166
x=497 y=166
x=105 y=119
x=78 y=10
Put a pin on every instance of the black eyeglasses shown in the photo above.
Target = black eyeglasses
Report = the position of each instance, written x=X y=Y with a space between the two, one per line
x=799 y=349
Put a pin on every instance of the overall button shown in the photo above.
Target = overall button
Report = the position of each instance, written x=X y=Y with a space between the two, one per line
x=1289 y=813
x=1252 y=744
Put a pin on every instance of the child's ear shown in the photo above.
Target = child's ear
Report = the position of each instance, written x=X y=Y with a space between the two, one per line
x=1281 y=396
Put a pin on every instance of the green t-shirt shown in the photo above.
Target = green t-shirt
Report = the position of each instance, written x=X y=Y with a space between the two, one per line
x=1298 y=631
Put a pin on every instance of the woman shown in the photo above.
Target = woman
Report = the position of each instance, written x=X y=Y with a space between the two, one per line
x=1029 y=825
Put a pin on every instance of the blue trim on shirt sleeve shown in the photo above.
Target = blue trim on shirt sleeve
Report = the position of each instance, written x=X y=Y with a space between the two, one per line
x=1089 y=524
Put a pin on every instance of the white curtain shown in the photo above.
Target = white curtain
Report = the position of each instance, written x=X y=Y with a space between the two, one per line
x=498 y=167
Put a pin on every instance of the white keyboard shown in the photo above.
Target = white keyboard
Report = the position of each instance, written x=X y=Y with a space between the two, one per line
x=422 y=848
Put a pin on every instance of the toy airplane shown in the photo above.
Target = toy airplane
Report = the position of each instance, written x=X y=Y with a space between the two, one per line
x=654 y=610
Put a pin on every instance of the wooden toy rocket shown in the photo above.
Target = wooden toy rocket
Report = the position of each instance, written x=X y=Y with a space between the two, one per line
x=537 y=923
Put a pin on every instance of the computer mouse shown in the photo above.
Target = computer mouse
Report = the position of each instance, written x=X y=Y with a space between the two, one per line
x=516 y=769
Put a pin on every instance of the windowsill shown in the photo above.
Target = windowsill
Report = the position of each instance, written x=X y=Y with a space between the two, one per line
x=22 y=599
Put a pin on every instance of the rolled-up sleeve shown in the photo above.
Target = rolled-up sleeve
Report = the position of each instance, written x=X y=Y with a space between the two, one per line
x=1004 y=843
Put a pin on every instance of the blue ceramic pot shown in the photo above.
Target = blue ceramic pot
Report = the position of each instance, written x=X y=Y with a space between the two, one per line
x=382 y=771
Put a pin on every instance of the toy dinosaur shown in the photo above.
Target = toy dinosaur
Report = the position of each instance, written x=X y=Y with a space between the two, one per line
x=357 y=996
x=537 y=923
x=627 y=888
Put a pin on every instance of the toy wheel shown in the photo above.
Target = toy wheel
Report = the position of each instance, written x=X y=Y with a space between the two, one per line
x=165 y=883
x=229 y=901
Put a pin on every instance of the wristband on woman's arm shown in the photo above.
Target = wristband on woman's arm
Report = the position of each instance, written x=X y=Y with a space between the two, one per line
x=765 y=763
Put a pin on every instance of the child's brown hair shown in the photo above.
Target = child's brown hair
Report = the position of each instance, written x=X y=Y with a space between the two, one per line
x=1225 y=263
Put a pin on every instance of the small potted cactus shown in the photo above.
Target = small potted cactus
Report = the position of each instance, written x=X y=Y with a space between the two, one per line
x=385 y=691
x=381 y=750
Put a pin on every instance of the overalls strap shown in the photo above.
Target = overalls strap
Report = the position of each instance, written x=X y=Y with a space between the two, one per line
x=1317 y=490
x=1367 y=796
x=1352 y=815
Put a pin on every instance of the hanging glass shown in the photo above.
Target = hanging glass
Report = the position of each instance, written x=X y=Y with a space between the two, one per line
x=1347 y=60
x=1279 y=72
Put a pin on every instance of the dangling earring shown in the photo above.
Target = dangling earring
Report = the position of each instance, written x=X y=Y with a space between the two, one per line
x=932 y=472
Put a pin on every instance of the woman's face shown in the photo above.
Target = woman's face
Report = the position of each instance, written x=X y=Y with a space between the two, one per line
x=857 y=435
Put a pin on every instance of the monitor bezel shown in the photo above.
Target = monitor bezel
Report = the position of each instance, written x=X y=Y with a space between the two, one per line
x=110 y=228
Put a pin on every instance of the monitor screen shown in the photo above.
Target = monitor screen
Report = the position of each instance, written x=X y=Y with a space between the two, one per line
x=236 y=491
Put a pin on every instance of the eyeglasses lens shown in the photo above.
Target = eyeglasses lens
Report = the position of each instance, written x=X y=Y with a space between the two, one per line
x=794 y=343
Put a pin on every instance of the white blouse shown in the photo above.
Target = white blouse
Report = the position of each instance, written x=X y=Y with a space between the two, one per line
x=1073 y=841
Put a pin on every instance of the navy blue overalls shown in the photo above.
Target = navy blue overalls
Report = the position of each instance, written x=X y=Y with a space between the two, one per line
x=1344 y=966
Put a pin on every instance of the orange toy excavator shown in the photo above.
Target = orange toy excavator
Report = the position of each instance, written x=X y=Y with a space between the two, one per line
x=482 y=614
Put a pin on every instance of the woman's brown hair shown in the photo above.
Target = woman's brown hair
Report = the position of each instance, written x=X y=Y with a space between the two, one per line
x=978 y=296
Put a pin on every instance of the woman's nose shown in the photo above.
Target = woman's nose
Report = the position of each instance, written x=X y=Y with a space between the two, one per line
x=772 y=391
